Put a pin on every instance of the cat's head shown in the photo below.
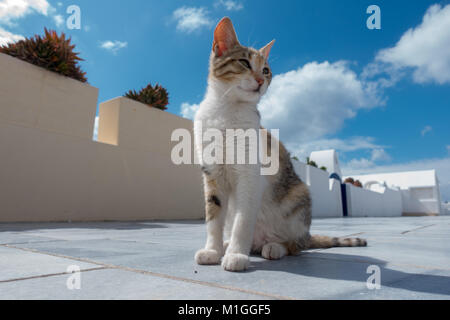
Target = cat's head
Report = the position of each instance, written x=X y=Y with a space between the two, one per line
x=241 y=73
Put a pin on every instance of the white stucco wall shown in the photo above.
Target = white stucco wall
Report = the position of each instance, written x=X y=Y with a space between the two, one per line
x=445 y=209
x=325 y=192
x=328 y=159
x=33 y=97
x=51 y=170
x=366 y=203
x=419 y=189
x=47 y=176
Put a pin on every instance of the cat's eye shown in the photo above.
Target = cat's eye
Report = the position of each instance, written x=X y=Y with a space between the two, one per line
x=266 y=71
x=246 y=63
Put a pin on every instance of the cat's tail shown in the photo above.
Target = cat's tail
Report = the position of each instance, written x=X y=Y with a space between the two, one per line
x=324 y=242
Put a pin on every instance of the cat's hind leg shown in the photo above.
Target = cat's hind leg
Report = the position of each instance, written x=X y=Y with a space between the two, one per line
x=274 y=251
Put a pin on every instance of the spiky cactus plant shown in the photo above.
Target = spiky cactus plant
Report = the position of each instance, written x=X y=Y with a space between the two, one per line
x=358 y=184
x=311 y=162
x=156 y=96
x=349 y=180
x=53 y=52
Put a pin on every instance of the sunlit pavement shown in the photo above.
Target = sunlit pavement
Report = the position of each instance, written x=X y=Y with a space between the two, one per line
x=407 y=258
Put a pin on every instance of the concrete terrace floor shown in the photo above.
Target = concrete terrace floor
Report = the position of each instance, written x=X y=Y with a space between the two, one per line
x=154 y=260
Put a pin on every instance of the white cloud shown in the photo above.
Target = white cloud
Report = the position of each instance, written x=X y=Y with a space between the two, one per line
x=304 y=149
x=8 y=37
x=425 y=49
x=380 y=155
x=313 y=101
x=377 y=155
x=12 y=10
x=59 y=20
x=426 y=130
x=192 y=19
x=229 y=5
x=441 y=165
x=362 y=163
x=448 y=149
x=113 y=46
x=15 y=9
x=188 y=110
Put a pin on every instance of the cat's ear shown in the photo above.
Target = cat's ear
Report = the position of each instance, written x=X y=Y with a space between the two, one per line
x=224 y=37
x=266 y=50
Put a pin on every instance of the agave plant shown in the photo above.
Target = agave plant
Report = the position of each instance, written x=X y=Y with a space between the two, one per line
x=53 y=52
x=311 y=162
x=156 y=96
x=349 y=180
x=358 y=184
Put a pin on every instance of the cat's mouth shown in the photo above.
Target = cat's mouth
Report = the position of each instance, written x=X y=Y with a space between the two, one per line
x=255 y=91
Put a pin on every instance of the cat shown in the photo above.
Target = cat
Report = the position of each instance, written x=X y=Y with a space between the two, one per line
x=267 y=215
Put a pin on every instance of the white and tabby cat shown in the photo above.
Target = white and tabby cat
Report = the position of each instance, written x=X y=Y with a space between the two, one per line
x=270 y=215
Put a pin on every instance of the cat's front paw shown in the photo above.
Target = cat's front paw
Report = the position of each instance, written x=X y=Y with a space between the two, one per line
x=235 y=262
x=207 y=257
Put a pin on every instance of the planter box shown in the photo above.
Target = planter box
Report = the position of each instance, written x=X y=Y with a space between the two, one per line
x=34 y=97
x=127 y=123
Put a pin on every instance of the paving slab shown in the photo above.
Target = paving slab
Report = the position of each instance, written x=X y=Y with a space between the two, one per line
x=412 y=254
x=118 y=284
x=18 y=264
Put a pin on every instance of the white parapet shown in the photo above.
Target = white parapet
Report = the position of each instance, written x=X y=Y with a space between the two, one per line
x=419 y=189
x=51 y=170
x=445 y=209
x=384 y=202
x=328 y=159
x=33 y=97
x=325 y=192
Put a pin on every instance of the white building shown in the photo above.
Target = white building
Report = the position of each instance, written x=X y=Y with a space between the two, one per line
x=328 y=159
x=419 y=189
x=445 y=209
x=384 y=195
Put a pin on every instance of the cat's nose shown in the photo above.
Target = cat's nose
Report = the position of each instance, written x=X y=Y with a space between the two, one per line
x=260 y=81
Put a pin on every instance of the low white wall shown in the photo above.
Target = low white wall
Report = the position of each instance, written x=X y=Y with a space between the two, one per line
x=420 y=190
x=51 y=170
x=366 y=203
x=34 y=97
x=53 y=177
x=412 y=205
x=325 y=192
x=445 y=209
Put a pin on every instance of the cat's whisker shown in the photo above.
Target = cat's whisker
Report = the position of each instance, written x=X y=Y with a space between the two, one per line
x=228 y=91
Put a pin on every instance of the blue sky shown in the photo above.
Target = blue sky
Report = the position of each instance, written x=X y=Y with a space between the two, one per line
x=380 y=97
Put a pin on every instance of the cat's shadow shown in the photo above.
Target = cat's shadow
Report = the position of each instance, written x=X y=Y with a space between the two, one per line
x=321 y=264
